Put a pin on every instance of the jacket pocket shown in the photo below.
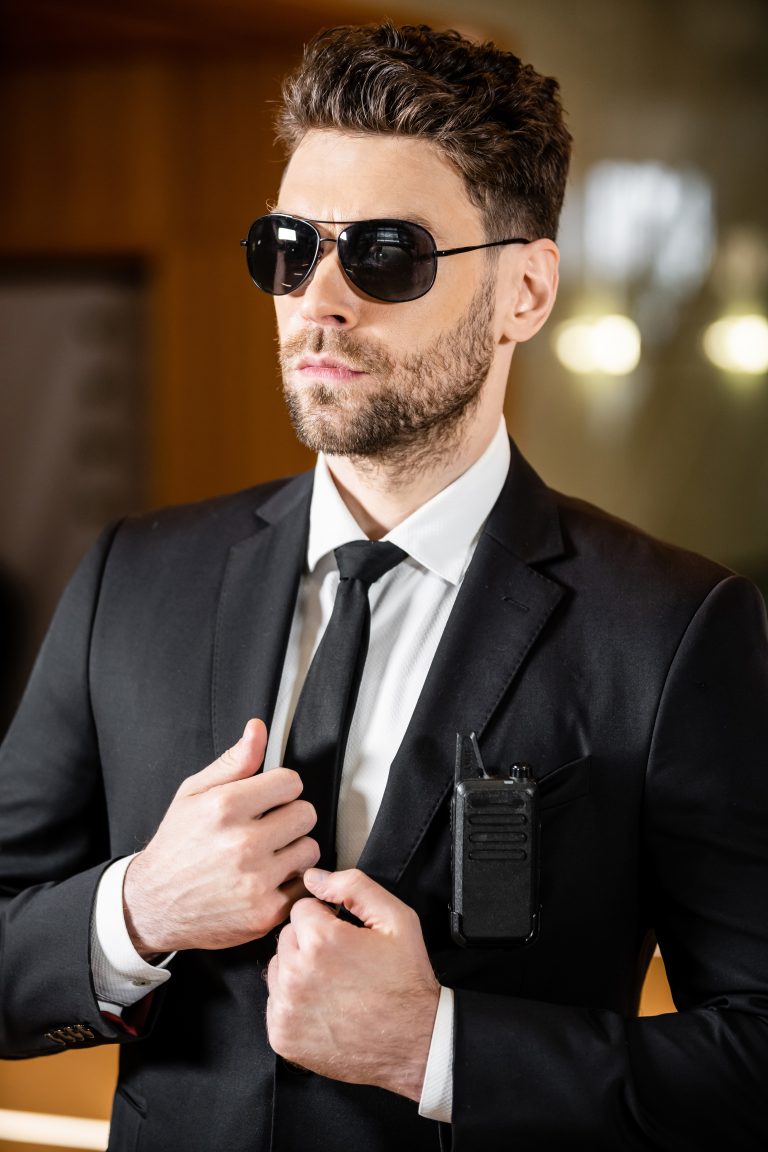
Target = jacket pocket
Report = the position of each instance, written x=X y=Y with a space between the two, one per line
x=565 y=783
x=125 y=1125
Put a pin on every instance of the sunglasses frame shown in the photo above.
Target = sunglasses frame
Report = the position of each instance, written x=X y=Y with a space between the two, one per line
x=432 y=256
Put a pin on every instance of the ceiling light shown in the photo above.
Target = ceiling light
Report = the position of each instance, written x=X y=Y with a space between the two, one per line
x=738 y=344
x=602 y=345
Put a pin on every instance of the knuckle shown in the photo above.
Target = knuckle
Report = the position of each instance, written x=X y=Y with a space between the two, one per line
x=256 y=890
x=316 y=948
x=186 y=788
x=233 y=837
x=227 y=758
x=306 y=815
x=218 y=805
x=301 y=854
x=265 y=901
x=410 y=917
x=290 y=782
x=271 y=909
x=250 y=897
x=276 y=1027
x=310 y=850
x=237 y=844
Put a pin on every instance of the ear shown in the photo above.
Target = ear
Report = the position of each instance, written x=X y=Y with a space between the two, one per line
x=528 y=290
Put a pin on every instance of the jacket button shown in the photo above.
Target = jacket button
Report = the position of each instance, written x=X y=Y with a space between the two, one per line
x=70 y=1034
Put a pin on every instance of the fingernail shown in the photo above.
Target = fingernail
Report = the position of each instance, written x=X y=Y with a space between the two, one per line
x=317 y=874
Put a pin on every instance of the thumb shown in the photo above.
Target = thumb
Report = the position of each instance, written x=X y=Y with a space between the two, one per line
x=237 y=763
x=364 y=898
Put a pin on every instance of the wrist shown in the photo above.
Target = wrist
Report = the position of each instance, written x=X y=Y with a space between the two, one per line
x=138 y=917
x=409 y=1076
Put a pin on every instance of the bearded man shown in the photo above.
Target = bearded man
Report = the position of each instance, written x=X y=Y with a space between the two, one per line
x=199 y=733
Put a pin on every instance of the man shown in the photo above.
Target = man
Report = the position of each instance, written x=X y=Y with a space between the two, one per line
x=410 y=249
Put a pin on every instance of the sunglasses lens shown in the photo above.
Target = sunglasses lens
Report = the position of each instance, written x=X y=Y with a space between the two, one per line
x=390 y=260
x=281 y=252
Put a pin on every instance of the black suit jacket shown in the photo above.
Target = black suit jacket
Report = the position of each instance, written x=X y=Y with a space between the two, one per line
x=633 y=677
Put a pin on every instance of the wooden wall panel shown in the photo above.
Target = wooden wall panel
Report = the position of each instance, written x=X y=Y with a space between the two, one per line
x=166 y=162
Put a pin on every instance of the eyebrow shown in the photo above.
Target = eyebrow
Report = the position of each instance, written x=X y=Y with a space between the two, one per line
x=411 y=218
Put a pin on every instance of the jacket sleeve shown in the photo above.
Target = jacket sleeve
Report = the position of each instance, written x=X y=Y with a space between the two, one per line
x=53 y=840
x=532 y=1074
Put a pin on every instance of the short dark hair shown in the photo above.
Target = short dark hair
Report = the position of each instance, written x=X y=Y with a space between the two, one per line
x=494 y=118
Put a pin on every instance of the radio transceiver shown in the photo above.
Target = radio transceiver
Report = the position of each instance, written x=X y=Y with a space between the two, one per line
x=495 y=852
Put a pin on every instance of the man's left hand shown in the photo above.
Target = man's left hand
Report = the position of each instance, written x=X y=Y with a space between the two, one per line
x=354 y=1004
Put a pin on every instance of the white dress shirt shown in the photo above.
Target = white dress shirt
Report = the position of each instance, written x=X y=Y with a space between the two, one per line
x=410 y=606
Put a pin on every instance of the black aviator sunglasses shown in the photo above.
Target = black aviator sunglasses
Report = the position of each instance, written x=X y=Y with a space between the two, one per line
x=390 y=260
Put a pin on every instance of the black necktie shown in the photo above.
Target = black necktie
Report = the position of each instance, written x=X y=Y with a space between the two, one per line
x=318 y=735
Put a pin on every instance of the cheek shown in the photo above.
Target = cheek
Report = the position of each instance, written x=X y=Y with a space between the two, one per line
x=415 y=326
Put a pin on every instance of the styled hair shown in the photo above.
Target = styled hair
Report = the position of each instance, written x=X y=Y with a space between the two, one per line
x=495 y=119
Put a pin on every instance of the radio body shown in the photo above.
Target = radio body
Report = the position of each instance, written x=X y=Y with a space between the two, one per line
x=495 y=852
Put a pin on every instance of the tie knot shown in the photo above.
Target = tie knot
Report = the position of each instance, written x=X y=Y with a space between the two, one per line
x=367 y=560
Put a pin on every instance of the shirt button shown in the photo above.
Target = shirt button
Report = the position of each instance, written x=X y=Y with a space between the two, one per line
x=140 y=983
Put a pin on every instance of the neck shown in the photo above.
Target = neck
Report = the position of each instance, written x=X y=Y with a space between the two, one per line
x=380 y=492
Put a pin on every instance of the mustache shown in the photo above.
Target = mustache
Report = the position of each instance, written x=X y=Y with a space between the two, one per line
x=360 y=355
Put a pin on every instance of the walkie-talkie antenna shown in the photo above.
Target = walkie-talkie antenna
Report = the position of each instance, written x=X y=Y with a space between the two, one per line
x=478 y=758
x=469 y=761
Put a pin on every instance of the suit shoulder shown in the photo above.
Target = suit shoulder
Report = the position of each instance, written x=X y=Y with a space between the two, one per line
x=192 y=541
x=630 y=556
x=231 y=516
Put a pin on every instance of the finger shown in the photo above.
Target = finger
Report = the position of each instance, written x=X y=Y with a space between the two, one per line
x=286 y=867
x=293 y=889
x=311 y=916
x=282 y=824
x=285 y=952
x=240 y=761
x=293 y=859
x=286 y=941
x=272 y=975
x=316 y=927
x=257 y=795
x=363 y=897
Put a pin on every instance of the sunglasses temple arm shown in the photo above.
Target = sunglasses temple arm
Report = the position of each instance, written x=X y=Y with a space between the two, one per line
x=476 y=247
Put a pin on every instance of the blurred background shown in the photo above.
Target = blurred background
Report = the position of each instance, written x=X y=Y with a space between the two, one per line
x=137 y=362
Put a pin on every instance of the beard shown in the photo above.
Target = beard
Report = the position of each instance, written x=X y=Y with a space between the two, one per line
x=412 y=408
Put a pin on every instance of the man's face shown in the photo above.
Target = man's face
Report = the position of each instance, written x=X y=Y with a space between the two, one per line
x=371 y=379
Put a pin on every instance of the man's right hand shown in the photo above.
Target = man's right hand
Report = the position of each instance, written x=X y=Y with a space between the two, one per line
x=225 y=865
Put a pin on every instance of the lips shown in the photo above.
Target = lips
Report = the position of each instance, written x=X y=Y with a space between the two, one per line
x=326 y=368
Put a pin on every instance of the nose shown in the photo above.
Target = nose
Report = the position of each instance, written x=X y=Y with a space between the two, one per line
x=327 y=298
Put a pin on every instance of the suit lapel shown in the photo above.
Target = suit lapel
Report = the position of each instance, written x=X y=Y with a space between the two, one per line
x=256 y=606
x=501 y=610
x=499 y=614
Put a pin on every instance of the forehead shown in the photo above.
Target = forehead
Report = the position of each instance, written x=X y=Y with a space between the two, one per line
x=338 y=176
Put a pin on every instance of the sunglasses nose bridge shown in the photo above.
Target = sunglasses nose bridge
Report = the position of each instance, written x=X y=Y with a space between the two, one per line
x=324 y=240
x=332 y=240
x=319 y=253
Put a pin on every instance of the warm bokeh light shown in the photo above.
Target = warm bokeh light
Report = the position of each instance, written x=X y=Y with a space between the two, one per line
x=738 y=344
x=605 y=345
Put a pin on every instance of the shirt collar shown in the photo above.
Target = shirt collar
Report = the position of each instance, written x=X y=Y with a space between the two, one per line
x=440 y=535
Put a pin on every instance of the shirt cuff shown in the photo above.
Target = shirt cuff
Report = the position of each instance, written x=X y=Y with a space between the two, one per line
x=437 y=1094
x=120 y=976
